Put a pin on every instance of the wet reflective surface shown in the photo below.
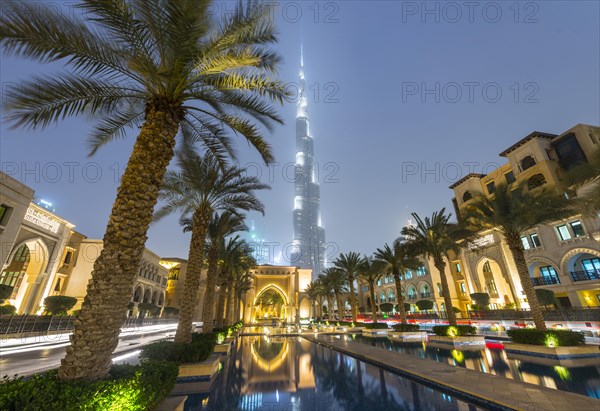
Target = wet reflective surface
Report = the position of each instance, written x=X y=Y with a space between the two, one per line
x=580 y=380
x=293 y=374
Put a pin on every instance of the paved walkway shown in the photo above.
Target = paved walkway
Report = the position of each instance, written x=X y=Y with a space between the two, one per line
x=482 y=389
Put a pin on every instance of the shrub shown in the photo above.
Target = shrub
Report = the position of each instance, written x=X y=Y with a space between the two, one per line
x=376 y=326
x=406 y=327
x=59 y=304
x=563 y=338
x=170 y=311
x=482 y=300
x=386 y=307
x=424 y=305
x=153 y=309
x=5 y=292
x=134 y=388
x=545 y=297
x=8 y=309
x=458 y=330
x=196 y=351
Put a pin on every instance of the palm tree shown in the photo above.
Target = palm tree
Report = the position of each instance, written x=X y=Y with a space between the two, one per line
x=239 y=260
x=327 y=292
x=349 y=264
x=398 y=259
x=219 y=228
x=435 y=237
x=312 y=292
x=154 y=65
x=200 y=188
x=513 y=211
x=370 y=271
x=335 y=280
x=243 y=284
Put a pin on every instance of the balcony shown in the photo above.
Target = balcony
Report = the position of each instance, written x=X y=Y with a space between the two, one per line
x=585 y=275
x=546 y=280
x=426 y=295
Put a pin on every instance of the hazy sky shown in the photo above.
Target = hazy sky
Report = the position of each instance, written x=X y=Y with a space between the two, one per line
x=405 y=98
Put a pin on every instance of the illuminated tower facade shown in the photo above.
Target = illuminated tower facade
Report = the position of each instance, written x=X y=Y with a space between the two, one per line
x=309 y=236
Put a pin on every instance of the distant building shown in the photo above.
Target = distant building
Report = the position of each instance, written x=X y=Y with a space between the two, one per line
x=308 y=249
x=261 y=249
x=177 y=268
x=150 y=283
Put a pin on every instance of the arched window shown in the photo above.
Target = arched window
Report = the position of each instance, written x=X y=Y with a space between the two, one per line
x=412 y=292
x=536 y=181
x=425 y=290
x=467 y=196
x=527 y=162
x=391 y=296
x=381 y=297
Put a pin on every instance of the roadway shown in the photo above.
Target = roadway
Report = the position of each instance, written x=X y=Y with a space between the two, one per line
x=31 y=355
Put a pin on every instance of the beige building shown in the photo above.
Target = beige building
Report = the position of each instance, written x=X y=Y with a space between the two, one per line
x=37 y=247
x=177 y=268
x=563 y=256
x=149 y=287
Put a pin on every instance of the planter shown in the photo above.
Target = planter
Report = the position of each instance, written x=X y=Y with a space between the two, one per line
x=408 y=335
x=197 y=377
x=375 y=333
x=579 y=356
x=223 y=349
x=467 y=342
x=354 y=330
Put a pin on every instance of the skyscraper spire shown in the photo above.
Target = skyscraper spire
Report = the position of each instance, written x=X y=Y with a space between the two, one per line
x=309 y=237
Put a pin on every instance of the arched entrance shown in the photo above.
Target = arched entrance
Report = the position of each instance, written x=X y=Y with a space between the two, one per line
x=24 y=273
x=270 y=304
x=492 y=282
x=305 y=309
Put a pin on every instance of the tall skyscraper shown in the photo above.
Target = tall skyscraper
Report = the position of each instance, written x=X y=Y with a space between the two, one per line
x=309 y=236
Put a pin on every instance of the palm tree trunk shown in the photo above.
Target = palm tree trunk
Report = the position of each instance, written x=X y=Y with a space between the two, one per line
x=208 y=312
x=519 y=259
x=104 y=307
x=399 y=297
x=191 y=287
x=236 y=309
x=353 y=307
x=221 y=304
x=373 y=306
x=329 y=308
x=441 y=267
x=230 y=302
x=340 y=306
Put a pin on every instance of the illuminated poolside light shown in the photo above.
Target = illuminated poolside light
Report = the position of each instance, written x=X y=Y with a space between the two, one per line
x=452 y=331
x=551 y=340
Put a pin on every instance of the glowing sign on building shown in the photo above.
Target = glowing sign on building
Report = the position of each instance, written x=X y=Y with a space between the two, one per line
x=481 y=242
x=42 y=220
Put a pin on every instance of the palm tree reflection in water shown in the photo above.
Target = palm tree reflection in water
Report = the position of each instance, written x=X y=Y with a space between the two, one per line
x=292 y=374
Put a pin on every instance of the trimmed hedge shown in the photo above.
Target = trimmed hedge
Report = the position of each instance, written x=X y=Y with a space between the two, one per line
x=461 y=330
x=376 y=326
x=198 y=350
x=7 y=309
x=133 y=388
x=564 y=338
x=406 y=327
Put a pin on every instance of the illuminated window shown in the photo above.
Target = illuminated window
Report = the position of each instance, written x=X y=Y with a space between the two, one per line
x=463 y=288
x=457 y=266
x=548 y=271
x=563 y=232
x=525 y=242
x=421 y=271
x=408 y=274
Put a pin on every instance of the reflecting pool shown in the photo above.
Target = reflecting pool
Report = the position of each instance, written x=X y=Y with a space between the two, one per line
x=580 y=380
x=293 y=374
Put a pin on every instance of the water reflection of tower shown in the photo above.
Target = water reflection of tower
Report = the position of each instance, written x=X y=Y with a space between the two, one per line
x=260 y=248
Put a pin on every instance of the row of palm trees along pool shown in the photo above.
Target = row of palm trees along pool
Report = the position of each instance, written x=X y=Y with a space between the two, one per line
x=511 y=210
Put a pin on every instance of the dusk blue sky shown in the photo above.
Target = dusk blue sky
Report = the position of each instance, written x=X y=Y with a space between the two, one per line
x=366 y=57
